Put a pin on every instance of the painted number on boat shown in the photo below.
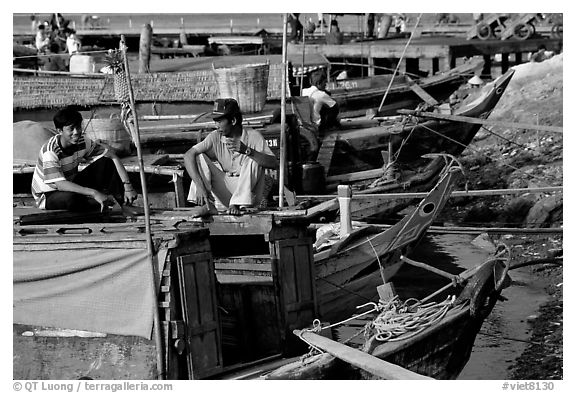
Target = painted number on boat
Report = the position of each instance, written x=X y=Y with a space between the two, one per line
x=272 y=142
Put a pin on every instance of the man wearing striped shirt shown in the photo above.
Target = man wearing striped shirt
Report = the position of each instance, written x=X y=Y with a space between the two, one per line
x=57 y=183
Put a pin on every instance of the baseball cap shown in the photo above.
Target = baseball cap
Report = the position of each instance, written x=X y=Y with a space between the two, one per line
x=225 y=107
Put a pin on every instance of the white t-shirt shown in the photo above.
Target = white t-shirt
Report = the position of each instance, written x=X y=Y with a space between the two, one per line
x=318 y=98
x=73 y=44
x=215 y=148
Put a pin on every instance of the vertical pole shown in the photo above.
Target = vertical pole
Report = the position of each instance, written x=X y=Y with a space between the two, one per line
x=183 y=38
x=505 y=63
x=487 y=69
x=344 y=200
x=150 y=246
x=145 y=46
x=435 y=65
x=371 y=66
x=283 y=114
x=303 y=59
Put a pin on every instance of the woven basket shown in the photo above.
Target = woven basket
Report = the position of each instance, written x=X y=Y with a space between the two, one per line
x=247 y=84
x=110 y=131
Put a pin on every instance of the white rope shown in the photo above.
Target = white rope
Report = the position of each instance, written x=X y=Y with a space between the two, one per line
x=399 y=321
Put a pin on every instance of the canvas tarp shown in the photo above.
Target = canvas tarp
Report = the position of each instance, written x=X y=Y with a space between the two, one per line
x=98 y=290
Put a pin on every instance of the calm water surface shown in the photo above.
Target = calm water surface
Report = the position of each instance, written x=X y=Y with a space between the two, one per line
x=491 y=355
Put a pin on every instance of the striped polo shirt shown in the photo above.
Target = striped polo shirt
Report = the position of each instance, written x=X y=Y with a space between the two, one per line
x=55 y=165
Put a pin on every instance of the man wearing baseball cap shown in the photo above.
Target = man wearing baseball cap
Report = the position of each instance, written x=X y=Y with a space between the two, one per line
x=228 y=166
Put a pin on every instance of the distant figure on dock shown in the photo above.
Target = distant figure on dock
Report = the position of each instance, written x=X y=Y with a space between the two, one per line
x=236 y=181
x=73 y=43
x=325 y=109
x=57 y=184
x=296 y=27
x=54 y=61
x=42 y=40
x=447 y=19
x=58 y=22
x=321 y=21
x=370 y=24
x=400 y=23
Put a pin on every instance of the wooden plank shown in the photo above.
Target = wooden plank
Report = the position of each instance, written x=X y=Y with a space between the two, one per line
x=326 y=152
x=197 y=289
x=389 y=50
x=355 y=176
x=363 y=360
x=421 y=92
x=466 y=119
x=179 y=191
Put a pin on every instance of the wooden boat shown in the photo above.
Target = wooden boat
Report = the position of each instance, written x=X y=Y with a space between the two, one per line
x=407 y=143
x=71 y=271
x=438 y=348
x=349 y=269
x=175 y=84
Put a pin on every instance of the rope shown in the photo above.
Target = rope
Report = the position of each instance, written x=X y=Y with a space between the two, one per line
x=56 y=54
x=485 y=155
x=508 y=140
x=378 y=259
x=399 y=62
x=317 y=326
x=402 y=320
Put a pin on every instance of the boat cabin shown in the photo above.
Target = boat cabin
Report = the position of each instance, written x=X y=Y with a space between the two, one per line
x=230 y=290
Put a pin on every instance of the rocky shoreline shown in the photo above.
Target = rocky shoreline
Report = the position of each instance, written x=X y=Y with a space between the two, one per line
x=515 y=158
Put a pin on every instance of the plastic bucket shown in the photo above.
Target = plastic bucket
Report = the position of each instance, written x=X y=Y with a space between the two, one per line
x=82 y=64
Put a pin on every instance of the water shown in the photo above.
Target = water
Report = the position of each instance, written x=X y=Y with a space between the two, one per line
x=207 y=21
x=493 y=353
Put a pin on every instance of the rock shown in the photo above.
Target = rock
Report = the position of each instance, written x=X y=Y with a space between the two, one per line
x=483 y=241
x=539 y=213
x=516 y=210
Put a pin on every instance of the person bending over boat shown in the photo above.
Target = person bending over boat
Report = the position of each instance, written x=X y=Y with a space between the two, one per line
x=324 y=108
x=57 y=183
x=236 y=180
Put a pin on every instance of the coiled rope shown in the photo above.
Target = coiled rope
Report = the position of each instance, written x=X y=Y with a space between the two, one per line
x=402 y=320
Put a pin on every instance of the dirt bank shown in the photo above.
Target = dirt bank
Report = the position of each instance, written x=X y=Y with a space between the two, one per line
x=517 y=158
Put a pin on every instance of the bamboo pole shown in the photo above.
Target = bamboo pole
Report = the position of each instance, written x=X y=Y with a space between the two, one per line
x=399 y=62
x=145 y=47
x=150 y=246
x=470 y=193
x=473 y=120
x=283 y=115
x=303 y=59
